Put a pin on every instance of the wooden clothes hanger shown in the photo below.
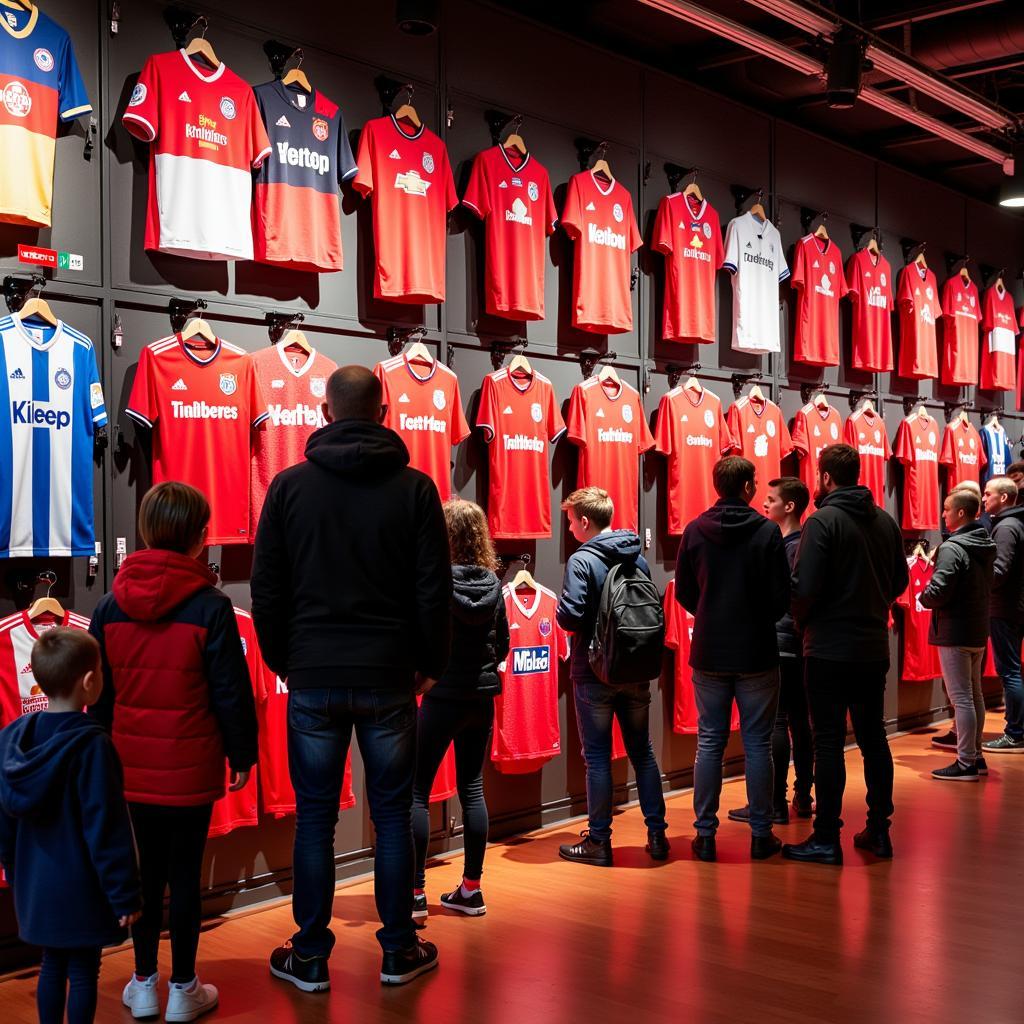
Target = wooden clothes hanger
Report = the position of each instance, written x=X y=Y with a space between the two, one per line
x=38 y=307
x=197 y=327
x=520 y=364
x=822 y=230
x=867 y=405
x=920 y=261
x=821 y=401
x=607 y=373
x=297 y=76
x=524 y=579
x=962 y=417
x=298 y=339
x=922 y=412
x=693 y=189
x=965 y=275
x=757 y=209
x=417 y=352
x=407 y=111
x=756 y=394
x=601 y=165
x=514 y=139
x=993 y=420
x=873 y=246
x=46 y=605
x=694 y=385
x=200 y=47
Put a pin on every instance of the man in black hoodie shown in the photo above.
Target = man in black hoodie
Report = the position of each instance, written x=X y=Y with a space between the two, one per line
x=733 y=575
x=850 y=568
x=1006 y=607
x=351 y=587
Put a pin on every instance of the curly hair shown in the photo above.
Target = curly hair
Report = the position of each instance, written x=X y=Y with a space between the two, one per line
x=468 y=537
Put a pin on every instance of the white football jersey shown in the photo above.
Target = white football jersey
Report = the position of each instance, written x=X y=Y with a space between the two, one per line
x=754 y=256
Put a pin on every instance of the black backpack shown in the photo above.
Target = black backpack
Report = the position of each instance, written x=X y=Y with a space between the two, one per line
x=629 y=632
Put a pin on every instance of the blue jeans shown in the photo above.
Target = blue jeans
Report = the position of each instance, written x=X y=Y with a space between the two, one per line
x=68 y=978
x=320 y=723
x=596 y=704
x=1006 y=641
x=757 y=697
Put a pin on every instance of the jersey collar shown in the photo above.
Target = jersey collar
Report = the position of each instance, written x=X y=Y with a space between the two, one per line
x=532 y=610
x=39 y=346
x=25 y=618
x=699 y=215
x=401 y=131
x=415 y=376
x=198 y=72
x=193 y=357
x=303 y=369
x=512 y=166
x=597 y=184
x=287 y=95
x=20 y=33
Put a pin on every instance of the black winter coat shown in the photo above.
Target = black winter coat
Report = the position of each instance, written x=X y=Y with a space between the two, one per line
x=1007 y=601
x=480 y=636
x=958 y=593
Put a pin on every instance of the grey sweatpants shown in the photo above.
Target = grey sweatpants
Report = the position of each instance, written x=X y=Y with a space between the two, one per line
x=961 y=672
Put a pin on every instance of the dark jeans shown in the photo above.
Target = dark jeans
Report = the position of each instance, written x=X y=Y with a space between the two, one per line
x=793 y=720
x=833 y=689
x=596 y=704
x=170 y=841
x=68 y=977
x=1006 y=641
x=468 y=723
x=320 y=724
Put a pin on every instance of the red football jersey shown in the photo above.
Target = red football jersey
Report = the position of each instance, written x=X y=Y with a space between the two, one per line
x=511 y=193
x=294 y=385
x=962 y=454
x=918 y=299
x=869 y=282
x=599 y=219
x=917 y=447
x=526 y=710
x=690 y=236
x=207 y=136
x=413 y=191
x=999 y=343
x=814 y=430
x=961 y=313
x=202 y=406
x=818 y=278
x=607 y=421
x=693 y=433
x=760 y=434
x=424 y=408
x=920 y=658
x=865 y=431
x=519 y=415
x=678 y=634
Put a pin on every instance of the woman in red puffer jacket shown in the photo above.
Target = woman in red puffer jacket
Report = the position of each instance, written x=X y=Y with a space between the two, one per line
x=177 y=700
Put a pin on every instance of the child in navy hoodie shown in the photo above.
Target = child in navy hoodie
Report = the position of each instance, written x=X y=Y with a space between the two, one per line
x=65 y=836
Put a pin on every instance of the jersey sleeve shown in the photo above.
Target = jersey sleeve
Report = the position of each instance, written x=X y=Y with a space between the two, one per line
x=982 y=456
x=476 y=191
x=487 y=413
x=561 y=642
x=451 y=196
x=853 y=281
x=259 y=142
x=644 y=437
x=842 y=287
x=459 y=426
x=730 y=441
x=577 y=424
x=783 y=265
x=885 y=442
x=143 y=404
x=142 y=116
x=948 y=454
x=850 y=432
x=733 y=425
x=572 y=214
x=718 y=255
x=346 y=161
x=385 y=398
x=732 y=248
x=97 y=407
x=555 y=423
x=72 y=98
x=258 y=411
x=986 y=309
x=635 y=238
x=663 y=426
x=904 y=444
x=363 y=182
x=798 y=280
x=798 y=435
x=948 y=306
x=671 y=608
x=904 y=293
x=552 y=211
x=786 y=442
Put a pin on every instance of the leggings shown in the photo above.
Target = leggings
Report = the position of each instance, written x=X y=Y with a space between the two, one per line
x=68 y=978
x=171 y=841
x=467 y=723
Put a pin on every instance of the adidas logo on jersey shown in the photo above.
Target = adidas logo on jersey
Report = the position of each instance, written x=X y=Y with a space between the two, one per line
x=507 y=411
x=503 y=184
x=600 y=414
x=404 y=398
x=179 y=385
x=17 y=374
x=394 y=155
x=590 y=207
x=283 y=122
x=185 y=98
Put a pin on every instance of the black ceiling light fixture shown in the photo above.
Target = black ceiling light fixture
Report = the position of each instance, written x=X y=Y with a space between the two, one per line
x=844 y=68
x=416 y=17
x=1011 y=191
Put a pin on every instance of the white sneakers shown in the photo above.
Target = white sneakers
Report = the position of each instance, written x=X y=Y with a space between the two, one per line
x=184 y=1003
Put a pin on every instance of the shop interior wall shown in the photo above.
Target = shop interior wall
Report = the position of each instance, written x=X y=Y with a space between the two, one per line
x=565 y=90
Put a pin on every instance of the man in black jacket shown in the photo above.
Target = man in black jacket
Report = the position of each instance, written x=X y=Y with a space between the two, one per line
x=958 y=595
x=351 y=588
x=850 y=568
x=733 y=575
x=1006 y=608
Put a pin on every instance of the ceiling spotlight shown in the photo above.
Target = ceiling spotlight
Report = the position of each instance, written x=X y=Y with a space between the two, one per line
x=843 y=68
x=1011 y=191
x=416 y=17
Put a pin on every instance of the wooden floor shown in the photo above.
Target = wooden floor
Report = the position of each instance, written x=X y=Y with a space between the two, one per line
x=933 y=936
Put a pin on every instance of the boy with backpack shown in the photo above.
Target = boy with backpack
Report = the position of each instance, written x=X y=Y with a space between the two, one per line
x=612 y=608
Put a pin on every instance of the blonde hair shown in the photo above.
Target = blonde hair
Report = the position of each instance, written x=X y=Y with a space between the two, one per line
x=1003 y=485
x=593 y=502
x=468 y=537
x=968 y=485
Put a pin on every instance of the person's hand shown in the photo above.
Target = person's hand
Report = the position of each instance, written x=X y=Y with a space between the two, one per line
x=424 y=684
x=126 y=920
x=238 y=781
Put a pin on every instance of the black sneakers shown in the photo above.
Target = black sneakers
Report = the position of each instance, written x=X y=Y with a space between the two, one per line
x=419 y=906
x=473 y=904
x=947 y=741
x=803 y=806
x=704 y=848
x=588 y=851
x=780 y=814
x=814 y=850
x=402 y=965
x=981 y=765
x=657 y=844
x=309 y=975
x=956 y=772
x=877 y=843
x=1004 y=745
x=763 y=847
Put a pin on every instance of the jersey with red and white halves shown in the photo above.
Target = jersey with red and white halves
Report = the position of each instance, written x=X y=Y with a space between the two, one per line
x=865 y=431
x=607 y=421
x=424 y=408
x=961 y=314
x=688 y=232
x=999 y=343
x=917 y=297
x=526 y=711
x=814 y=429
x=917 y=447
x=599 y=219
x=293 y=384
x=962 y=453
x=410 y=179
x=207 y=137
x=761 y=435
x=920 y=658
x=19 y=692
x=511 y=193
x=519 y=416
x=869 y=284
x=691 y=430
x=820 y=283
x=203 y=406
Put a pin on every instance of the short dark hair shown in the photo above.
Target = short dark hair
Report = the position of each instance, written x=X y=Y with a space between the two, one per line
x=793 y=489
x=1015 y=467
x=172 y=517
x=842 y=463
x=354 y=393
x=730 y=474
x=60 y=657
x=967 y=500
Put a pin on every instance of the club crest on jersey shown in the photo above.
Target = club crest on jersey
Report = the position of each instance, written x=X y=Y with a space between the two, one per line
x=881 y=278
x=533 y=191
x=62 y=378
x=428 y=163
x=706 y=228
x=536 y=413
x=43 y=59
x=318 y=386
x=931 y=438
x=17 y=99
x=834 y=431
x=227 y=107
x=617 y=212
x=138 y=95
x=529 y=660
x=439 y=399
x=411 y=183
x=627 y=413
x=709 y=418
x=770 y=428
x=228 y=383
x=320 y=129
x=544 y=627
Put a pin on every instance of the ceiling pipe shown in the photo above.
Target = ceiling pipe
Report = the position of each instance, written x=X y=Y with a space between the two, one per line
x=743 y=35
x=966 y=42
